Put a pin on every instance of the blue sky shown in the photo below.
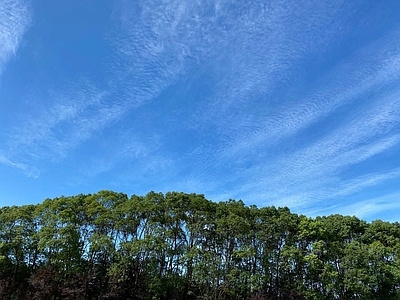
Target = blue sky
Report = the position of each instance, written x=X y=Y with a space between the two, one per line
x=285 y=103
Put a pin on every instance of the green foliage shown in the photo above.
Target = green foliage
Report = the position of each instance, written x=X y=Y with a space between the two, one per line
x=183 y=246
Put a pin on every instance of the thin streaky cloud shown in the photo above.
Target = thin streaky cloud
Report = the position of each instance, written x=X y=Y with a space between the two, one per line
x=151 y=53
x=49 y=133
x=380 y=119
x=345 y=147
x=276 y=103
x=26 y=169
x=164 y=40
x=366 y=209
x=15 y=18
x=288 y=119
x=264 y=48
x=369 y=180
x=125 y=147
x=298 y=179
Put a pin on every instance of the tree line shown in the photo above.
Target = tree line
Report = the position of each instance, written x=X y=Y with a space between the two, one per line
x=183 y=246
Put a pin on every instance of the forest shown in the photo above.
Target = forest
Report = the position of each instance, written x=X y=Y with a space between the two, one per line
x=182 y=246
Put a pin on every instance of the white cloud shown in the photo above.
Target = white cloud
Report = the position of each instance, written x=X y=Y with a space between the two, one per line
x=152 y=49
x=309 y=171
x=26 y=169
x=15 y=18
x=368 y=209
x=49 y=132
x=255 y=118
x=313 y=174
x=249 y=56
x=366 y=71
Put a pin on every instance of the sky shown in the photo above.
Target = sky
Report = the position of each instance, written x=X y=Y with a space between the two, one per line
x=283 y=102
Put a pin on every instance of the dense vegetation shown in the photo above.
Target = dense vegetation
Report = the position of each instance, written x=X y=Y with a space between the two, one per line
x=183 y=246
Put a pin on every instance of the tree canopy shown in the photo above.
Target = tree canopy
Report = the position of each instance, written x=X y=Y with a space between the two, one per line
x=183 y=246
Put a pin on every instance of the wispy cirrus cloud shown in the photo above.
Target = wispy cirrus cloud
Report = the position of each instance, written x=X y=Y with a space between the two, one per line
x=48 y=132
x=269 y=102
x=28 y=170
x=367 y=70
x=313 y=174
x=264 y=45
x=275 y=153
x=149 y=56
x=155 y=44
x=127 y=151
x=368 y=209
x=15 y=18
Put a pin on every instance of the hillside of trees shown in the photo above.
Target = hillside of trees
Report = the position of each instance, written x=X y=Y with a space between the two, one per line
x=183 y=246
